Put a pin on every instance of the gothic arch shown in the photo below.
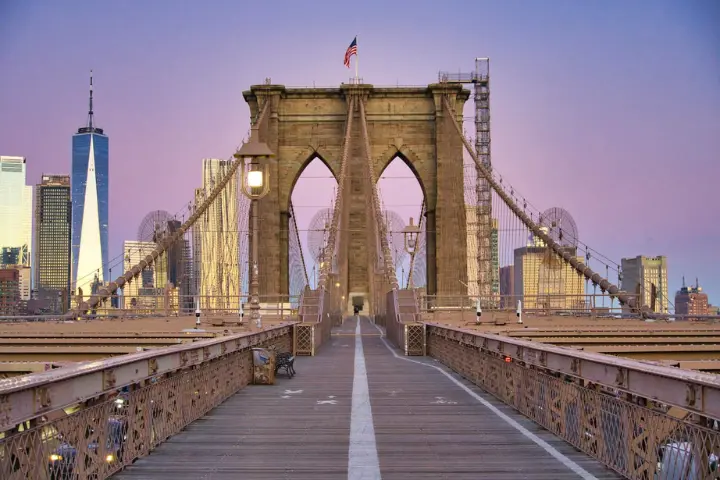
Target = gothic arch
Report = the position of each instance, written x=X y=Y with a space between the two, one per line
x=408 y=159
x=313 y=154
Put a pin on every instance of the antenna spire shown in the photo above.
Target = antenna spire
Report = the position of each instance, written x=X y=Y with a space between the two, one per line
x=90 y=111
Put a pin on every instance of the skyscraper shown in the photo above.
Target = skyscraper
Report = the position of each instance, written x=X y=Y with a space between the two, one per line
x=645 y=278
x=152 y=277
x=691 y=301
x=219 y=242
x=197 y=235
x=541 y=279
x=90 y=188
x=9 y=291
x=52 y=238
x=15 y=212
x=473 y=253
x=507 y=287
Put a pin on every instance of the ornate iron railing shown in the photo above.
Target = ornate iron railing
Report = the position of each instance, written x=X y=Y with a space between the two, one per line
x=91 y=419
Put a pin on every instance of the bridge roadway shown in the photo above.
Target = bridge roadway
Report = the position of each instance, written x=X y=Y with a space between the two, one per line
x=359 y=410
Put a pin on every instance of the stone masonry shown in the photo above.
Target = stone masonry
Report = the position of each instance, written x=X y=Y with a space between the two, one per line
x=409 y=123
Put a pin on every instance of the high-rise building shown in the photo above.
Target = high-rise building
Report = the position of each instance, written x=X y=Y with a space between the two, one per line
x=691 y=300
x=543 y=280
x=25 y=277
x=177 y=265
x=473 y=252
x=90 y=188
x=52 y=238
x=15 y=212
x=9 y=291
x=175 y=255
x=186 y=290
x=153 y=277
x=495 y=256
x=218 y=229
x=507 y=287
x=645 y=278
x=196 y=235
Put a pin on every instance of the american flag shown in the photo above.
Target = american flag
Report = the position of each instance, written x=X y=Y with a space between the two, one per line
x=352 y=50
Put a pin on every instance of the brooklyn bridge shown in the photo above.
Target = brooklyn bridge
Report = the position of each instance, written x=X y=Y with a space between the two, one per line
x=365 y=371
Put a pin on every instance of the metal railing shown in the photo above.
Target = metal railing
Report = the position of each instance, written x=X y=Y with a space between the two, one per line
x=586 y=305
x=89 y=420
x=402 y=323
x=173 y=305
x=598 y=303
x=639 y=419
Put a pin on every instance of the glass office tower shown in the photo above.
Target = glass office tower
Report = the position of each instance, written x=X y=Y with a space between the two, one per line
x=90 y=191
x=15 y=212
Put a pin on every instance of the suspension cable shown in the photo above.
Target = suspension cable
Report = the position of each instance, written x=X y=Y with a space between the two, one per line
x=580 y=267
x=331 y=249
x=390 y=272
x=297 y=235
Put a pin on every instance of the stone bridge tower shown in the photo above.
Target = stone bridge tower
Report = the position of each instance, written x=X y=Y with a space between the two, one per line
x=409 y=123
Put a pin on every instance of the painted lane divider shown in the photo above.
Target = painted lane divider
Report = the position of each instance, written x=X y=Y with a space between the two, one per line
x=363 y=461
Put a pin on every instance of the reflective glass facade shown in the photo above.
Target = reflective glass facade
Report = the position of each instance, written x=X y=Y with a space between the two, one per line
x=90 y=192
x=15 y=212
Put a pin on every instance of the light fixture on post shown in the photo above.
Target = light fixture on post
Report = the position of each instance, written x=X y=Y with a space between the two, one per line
x=255 y=185
x=411 y=233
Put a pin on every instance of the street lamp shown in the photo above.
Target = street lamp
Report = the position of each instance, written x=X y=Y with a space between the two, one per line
x=411 y=233
x=255 y=185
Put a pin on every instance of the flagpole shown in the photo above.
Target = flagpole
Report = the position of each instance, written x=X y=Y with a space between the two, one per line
x=357 y=78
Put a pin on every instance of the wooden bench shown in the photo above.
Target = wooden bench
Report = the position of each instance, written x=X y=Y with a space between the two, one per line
x=285 y=360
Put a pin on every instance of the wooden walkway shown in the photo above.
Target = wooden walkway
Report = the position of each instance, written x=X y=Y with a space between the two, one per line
x=404 y=419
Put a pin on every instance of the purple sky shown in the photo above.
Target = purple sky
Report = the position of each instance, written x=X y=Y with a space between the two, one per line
x=608 y=109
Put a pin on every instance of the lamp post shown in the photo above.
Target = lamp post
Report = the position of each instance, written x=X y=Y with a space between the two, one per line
x=411 y=233
x=255 y=185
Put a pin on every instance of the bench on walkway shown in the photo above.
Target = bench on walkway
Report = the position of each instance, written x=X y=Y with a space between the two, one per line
x=285 y=360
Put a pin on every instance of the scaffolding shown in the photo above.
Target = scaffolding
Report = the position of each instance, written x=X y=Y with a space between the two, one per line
x=488 y=282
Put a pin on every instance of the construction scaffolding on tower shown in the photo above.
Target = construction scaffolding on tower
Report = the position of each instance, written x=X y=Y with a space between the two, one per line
x=486 y=286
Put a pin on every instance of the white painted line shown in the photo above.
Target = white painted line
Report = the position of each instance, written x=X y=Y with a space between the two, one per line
x=363 y=462
x=584 y=474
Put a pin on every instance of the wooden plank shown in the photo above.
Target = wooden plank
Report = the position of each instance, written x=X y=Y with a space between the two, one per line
x=426 y=427
x=292 y=429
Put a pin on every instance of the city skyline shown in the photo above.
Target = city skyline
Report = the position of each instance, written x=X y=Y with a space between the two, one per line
x=592 y=103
